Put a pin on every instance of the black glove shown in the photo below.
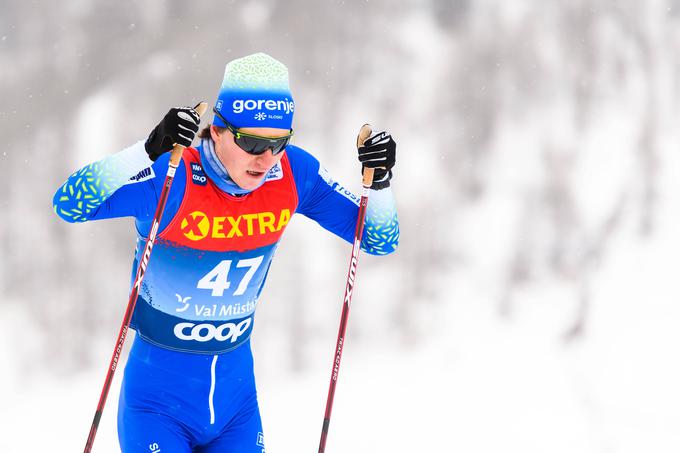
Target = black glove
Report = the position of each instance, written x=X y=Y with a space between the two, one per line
x=179 y=126
x=379 y=152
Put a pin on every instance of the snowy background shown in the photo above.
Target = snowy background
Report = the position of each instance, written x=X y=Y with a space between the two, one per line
x=533 y=303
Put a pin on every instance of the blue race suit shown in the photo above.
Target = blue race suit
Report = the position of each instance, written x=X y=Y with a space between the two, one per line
x=188 y=383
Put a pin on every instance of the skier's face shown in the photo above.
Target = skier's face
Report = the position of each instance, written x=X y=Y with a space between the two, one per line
x=245 y=169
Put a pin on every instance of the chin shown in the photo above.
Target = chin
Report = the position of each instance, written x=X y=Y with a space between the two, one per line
x=249 y=183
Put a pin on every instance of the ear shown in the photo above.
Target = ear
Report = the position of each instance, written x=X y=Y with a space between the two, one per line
x=213 y=133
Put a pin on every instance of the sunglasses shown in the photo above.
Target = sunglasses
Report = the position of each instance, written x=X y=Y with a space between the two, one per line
x=256 y=144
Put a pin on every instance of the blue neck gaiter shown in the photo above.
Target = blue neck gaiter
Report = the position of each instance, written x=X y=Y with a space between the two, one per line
x=216 y=171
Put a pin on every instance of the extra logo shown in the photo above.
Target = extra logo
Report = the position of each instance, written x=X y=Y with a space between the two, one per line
x=189 y=331
x=198 y=175
x=198 y=225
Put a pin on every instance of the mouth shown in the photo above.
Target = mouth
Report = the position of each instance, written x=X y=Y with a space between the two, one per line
x=255 y=174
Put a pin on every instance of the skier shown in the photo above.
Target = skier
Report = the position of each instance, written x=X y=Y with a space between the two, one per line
x=188 y=383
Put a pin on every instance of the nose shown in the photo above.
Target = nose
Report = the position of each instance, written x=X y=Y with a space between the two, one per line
x=267 y=158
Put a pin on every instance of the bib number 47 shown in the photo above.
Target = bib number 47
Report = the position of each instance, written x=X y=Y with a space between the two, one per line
x=217 y=280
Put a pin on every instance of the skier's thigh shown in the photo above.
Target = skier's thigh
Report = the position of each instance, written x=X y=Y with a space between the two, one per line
x=242 y=436
x=148 y=432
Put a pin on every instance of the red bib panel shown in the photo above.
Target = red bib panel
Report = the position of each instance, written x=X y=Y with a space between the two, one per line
x=209 y=264
x=209 y=219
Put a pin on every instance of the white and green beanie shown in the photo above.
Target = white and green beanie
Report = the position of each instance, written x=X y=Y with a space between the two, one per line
x=255 y=93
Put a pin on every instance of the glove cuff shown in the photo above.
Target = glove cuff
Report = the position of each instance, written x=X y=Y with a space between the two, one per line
x=148 y=146
x=381 y=180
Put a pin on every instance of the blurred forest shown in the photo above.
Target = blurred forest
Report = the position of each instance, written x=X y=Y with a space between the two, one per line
x=532 y=136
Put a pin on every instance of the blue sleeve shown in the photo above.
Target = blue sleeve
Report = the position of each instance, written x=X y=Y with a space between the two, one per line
x=125 y=184
x=335 y=208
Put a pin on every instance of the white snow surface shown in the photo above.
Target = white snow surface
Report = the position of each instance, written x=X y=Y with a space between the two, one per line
x=482 y=384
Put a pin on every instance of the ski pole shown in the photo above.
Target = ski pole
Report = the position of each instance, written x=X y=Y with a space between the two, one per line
x=364 y=133
x=175 y=156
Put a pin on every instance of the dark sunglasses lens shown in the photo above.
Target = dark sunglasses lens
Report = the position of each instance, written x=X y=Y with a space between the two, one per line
x=280 y=145
x=253 y=145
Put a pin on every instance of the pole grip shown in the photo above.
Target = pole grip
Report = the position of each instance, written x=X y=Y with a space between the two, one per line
x=367 y=175
x=176 y=153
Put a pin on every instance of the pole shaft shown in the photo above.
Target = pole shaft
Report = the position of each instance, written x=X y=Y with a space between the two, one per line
x=340 y=343
x=367 y=180
x=141 y=270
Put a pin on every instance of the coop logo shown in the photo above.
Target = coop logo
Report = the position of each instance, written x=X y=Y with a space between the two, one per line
x=198 y=175
x=231 y=331
x=198 y=225
x=281 y=106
